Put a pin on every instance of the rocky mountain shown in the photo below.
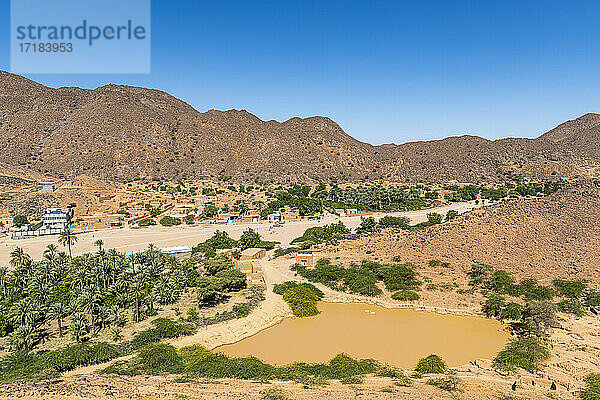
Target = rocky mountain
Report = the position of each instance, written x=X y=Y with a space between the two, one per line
x=123 y=132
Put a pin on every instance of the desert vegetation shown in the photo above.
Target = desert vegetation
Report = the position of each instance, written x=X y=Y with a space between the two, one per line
x=363 y=278
x=302 y=298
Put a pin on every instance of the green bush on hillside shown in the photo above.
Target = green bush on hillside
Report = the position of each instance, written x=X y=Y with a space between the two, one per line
x=432 y=364
x=571 y=306
x=524 y=352
x=406 y=295
x=159 y=357
x=592 y=389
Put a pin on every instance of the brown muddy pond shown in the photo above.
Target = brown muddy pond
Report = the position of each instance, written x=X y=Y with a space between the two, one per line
x=398 y=337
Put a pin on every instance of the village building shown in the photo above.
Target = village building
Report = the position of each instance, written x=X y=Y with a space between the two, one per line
x=97 y=221
x=177 y=251
x=305 y=258
x=54 y=221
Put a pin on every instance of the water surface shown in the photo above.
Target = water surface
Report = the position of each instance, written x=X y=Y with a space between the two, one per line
x=399 y=337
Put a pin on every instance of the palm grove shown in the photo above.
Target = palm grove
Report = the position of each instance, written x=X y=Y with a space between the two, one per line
x=86 y=294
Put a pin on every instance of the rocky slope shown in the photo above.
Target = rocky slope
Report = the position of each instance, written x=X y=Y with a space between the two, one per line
x=123 y=132
x=551 y=237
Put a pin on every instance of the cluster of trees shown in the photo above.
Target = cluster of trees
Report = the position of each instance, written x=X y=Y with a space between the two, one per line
x=220 y=279
x=220 y=240
x=369 y=224
x=295 y=196
x=92 y=291
x=532 y=314
x=510 y=189
x=322 y=234
x=97 y=291
x=302 y=298
x=374 y=197
x=362 y=278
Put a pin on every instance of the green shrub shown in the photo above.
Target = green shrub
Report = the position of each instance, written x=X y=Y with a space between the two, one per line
x=241 y=310
x=362 y=281
x=274 y=394
x=353 y=380
x=592 y=389
x=512 y=311
x=533 y=291
x=571 y=306
x=401 y=277
x=169 y=221
x=571 y=289
x=525 y=352
x=432 y=364
x=200 y=362
x=302 y=301
x=144 y=338
x=167 y=328
x=343 y=366
x=592 y=298
x=159 y=357
x=192 y=315
x=68 y=358
x=283 y=252
x=448 y=383
x=406 y=295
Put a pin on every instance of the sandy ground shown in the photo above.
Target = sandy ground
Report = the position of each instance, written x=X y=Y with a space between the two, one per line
x=165 y=387
x=128 y=239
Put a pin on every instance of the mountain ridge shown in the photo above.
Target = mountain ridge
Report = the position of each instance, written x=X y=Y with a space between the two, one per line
x=123 y=132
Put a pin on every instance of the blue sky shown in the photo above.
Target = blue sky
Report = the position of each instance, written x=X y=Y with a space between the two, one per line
x=386 y=71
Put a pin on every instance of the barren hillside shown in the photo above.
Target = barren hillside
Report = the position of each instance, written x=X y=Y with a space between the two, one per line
x=555 y=236
x=124 y=132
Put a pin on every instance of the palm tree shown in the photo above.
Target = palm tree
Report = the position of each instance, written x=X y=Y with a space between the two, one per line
x=59 y=311
x=99 y=243
x=78 y=327
x=67 y=238
x=3 y=280
x=23 y=338
x=18 y=258
x=51 y=252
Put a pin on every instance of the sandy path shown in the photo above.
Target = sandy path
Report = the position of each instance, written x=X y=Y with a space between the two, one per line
x=127 y=239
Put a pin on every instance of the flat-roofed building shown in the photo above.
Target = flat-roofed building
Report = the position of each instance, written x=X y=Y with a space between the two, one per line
x=177 y=251
x=305 y=258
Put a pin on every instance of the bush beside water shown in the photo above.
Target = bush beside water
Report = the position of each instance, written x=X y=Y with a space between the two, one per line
x=198 y=362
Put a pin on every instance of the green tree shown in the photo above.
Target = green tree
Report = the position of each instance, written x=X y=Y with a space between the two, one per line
x=99 y=243
x=538 y=317
x=210 y=210
x=250 y=238
x=494 y=305
x=524 y=352
x=78 y=327
x=67 y=238
x=366 y=225
x=59 y=311
x=218 y=263
x=20 y=220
